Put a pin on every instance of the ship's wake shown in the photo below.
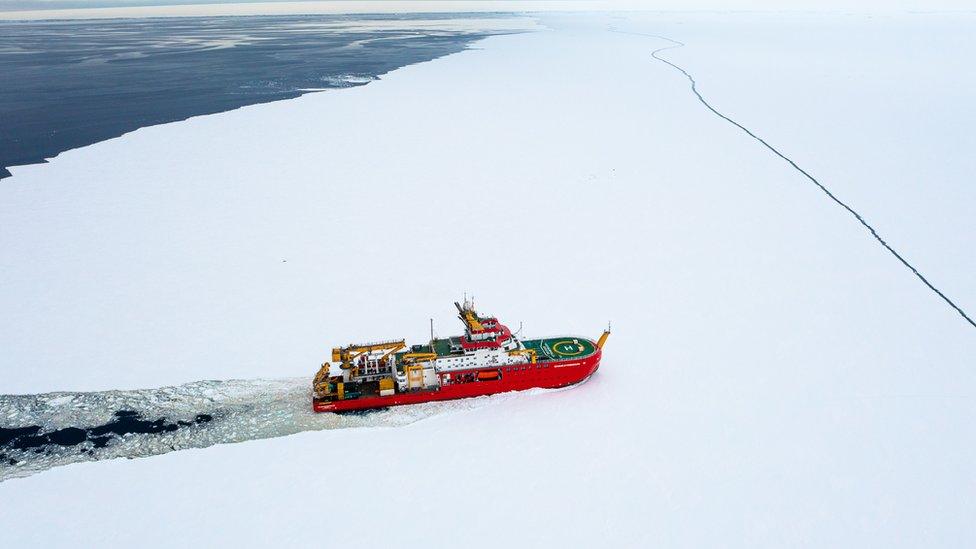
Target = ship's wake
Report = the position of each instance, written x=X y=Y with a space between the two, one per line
x=38 y=432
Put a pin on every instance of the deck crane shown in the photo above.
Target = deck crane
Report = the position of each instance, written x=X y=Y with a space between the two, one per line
x=346 y=356
x=348 y=359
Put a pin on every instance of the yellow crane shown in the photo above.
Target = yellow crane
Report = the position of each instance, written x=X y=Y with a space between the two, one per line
x=418 y=357
x=346 y=356
x=530 y=352
x=413 y=367
x=320 y=384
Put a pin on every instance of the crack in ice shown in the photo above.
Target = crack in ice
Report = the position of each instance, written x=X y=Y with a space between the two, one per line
x=860 y=219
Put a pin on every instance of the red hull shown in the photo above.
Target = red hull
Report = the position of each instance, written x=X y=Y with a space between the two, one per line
x=547 y=375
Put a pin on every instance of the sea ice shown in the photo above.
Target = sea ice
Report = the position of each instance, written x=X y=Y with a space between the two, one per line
x=775 y=378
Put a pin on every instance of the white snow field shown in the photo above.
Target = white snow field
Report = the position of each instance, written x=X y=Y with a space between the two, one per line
x=775 y=377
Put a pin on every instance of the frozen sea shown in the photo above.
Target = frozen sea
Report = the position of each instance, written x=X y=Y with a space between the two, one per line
x=776 y=377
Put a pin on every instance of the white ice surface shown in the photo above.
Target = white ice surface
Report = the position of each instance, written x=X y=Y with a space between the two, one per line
x=775 y=377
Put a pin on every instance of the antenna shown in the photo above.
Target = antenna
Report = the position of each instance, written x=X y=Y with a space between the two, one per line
x=432 y=331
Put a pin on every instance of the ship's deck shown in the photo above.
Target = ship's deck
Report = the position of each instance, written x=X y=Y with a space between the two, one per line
x=442 y=346
x=549 y=348
x=560 y=348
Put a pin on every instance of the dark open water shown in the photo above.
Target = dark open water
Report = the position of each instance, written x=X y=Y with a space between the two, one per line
x=38 y=432
x=66 y=84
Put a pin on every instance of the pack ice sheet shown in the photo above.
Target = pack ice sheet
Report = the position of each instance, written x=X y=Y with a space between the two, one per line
x=774 y=378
